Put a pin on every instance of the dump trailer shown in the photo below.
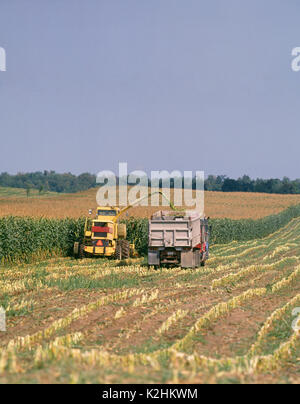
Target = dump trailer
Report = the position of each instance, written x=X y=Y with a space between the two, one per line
x=178 y=239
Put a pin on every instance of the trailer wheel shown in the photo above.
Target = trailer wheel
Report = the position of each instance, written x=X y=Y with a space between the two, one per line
x=125 y=247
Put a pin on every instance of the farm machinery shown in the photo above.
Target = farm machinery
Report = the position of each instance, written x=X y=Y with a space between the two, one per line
x=178 y=239
x=104 y=236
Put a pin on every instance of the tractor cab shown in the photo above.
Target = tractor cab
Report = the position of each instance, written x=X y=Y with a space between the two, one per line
x=107 y=213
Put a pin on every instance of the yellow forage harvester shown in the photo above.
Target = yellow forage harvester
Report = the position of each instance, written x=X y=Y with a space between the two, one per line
x=104 y=236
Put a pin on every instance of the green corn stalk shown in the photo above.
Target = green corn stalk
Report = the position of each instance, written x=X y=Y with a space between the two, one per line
x=25 y=239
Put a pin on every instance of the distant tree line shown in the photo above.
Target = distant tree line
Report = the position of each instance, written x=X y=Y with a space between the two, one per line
x=49 y=181
x=246 y=184
x=68 y=183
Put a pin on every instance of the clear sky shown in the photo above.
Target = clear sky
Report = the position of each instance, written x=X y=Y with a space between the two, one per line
x=160 y=84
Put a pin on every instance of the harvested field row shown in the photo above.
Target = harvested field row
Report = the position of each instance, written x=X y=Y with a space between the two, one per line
x=67 y=318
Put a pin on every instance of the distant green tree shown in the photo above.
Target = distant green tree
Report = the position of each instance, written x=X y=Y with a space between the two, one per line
x=230 y=185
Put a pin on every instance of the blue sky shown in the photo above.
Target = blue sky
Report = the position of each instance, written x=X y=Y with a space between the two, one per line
x=160 y=84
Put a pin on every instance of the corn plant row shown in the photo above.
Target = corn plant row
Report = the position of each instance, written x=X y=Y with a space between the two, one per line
x=250 y=255
x=120 y=313
x=286 y=281
x=264 y=245
x=146 y=298
x=251 y=270
x=21 y=286
x=275 y=316
x=42 y=353
x=8 y=361
x=30 y=340
x=129 y=361
x=247 y=363
x=64 y=274
x=23 y=304
x=173 y=319
x=280 y=356
x=285 y=233
x=177 y=359
x=280 y=249
x=100 y=357
x=225 y=307
x=92 y=358
x=226 y=230
x=24 y=238
x=215 y=313
x=240 y=365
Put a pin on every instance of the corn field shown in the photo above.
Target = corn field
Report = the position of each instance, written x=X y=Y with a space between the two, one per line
x=233 y=205
x=25 y=239
x=101 y=321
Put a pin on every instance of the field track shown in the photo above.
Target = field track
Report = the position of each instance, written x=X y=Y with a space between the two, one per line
x=101 y=321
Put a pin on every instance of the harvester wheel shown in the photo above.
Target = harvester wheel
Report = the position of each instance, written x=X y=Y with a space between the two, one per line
x=125 y=245
x=118 y=253
x=81 y=251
